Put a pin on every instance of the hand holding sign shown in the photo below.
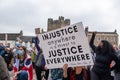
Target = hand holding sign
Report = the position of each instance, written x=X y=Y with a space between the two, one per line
x=65 y=67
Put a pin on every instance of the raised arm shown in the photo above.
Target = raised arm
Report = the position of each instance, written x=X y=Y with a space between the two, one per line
x=92 y=42
x=39 y=52
x=37 y=44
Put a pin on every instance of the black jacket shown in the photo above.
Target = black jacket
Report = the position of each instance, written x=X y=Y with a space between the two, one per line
x=7 y=57
x=103 y=58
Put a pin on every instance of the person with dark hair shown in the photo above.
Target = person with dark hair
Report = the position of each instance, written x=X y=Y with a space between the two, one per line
x=72 y=73
x=23 y=69
x=105 y=54
x=9 y=59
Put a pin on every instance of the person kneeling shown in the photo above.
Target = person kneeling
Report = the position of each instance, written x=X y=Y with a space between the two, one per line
x=23 y=69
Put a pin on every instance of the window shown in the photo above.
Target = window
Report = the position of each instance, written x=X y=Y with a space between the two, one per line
x=112 y=38
x=98 y=38
x=105 y=38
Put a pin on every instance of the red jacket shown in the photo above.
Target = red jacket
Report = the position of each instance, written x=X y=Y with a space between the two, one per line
x=27 y=67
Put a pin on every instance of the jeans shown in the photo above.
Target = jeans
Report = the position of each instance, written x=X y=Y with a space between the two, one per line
x=23 y=76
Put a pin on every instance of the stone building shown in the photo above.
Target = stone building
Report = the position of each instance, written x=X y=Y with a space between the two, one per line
x=112 y=37
x=55 y=24
x=9 y=39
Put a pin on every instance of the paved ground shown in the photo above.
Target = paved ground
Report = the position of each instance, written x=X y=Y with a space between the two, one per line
x=34 y=75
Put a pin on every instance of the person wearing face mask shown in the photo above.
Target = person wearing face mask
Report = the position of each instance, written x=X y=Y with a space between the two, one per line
x=72 y=73
x=105 y=54
x=23 y=69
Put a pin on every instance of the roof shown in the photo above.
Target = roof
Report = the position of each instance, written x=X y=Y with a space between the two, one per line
x=13 y=37
x=103 y=32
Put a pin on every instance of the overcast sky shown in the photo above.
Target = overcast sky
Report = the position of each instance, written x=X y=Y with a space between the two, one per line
x=26 y=15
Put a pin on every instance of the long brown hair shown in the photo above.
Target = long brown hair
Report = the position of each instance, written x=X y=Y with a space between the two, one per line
x=24 y=53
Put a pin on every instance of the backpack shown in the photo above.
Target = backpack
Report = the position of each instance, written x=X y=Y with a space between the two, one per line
x=40 y=61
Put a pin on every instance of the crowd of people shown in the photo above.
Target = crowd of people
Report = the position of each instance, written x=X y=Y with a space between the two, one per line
x=23 y=61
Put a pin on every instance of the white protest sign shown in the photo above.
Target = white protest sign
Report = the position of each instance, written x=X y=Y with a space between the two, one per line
x=66 y=45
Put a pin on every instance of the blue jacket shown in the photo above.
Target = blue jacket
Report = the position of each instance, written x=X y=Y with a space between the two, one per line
x=36 y=40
